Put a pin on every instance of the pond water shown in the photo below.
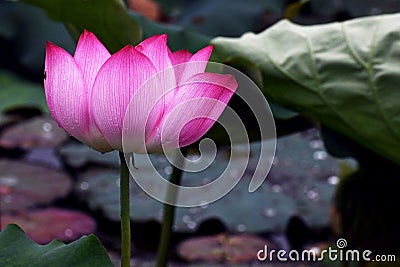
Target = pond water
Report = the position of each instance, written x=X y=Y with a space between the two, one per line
x=55 y=187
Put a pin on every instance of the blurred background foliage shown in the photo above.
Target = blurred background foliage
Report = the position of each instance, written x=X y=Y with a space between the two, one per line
x=313 y=192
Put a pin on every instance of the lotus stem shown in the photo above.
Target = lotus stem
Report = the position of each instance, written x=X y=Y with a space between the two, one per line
x=125 y=213
x=168 y=217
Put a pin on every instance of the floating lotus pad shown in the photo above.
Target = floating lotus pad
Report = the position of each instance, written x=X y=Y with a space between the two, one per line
x=301 y=182
x=36 y=132
x=222 y=248
x=77 y=155
x=23 y=185
x=44 y=225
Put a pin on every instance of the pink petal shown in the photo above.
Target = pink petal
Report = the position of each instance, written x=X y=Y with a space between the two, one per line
x=116 y=83
x=202 y=55
x=194 y=109
x=148 y=41
x=90 y=55
x=65 y=92
x=156 y=49
x=146 y=109
x=196 y=64
x=180 y=57
x=67 y=97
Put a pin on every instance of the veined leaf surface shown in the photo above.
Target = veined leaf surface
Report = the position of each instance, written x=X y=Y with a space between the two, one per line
x=347 y=75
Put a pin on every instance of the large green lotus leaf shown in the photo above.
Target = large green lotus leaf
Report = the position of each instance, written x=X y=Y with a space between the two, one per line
x=109 y=20
x=301 y=182
x=16 y=249
x=344 y=74
x=17 y=93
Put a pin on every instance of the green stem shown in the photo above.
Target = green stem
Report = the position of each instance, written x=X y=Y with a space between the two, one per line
x=125 y=213
x=168 y=218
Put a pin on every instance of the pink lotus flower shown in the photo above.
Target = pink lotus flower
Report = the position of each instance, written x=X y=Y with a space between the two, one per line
x=88 y=94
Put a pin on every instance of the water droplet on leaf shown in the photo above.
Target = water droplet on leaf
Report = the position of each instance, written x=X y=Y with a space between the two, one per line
x=191 y=225
x=269 y=212
x=47 y=127
x=68 y=232
x=333 y=180
x=84 y=186
x=276 y=188
x=241 y=227
x=316 y=144
x=320 y=155
x=313 y=195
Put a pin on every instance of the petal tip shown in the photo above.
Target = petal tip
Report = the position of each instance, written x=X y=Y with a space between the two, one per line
x=129 y=48
x=163 y=37
x=52 y=48
x=208 y=49
x=49 y=44
x=87 y=35
x=203 y=55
